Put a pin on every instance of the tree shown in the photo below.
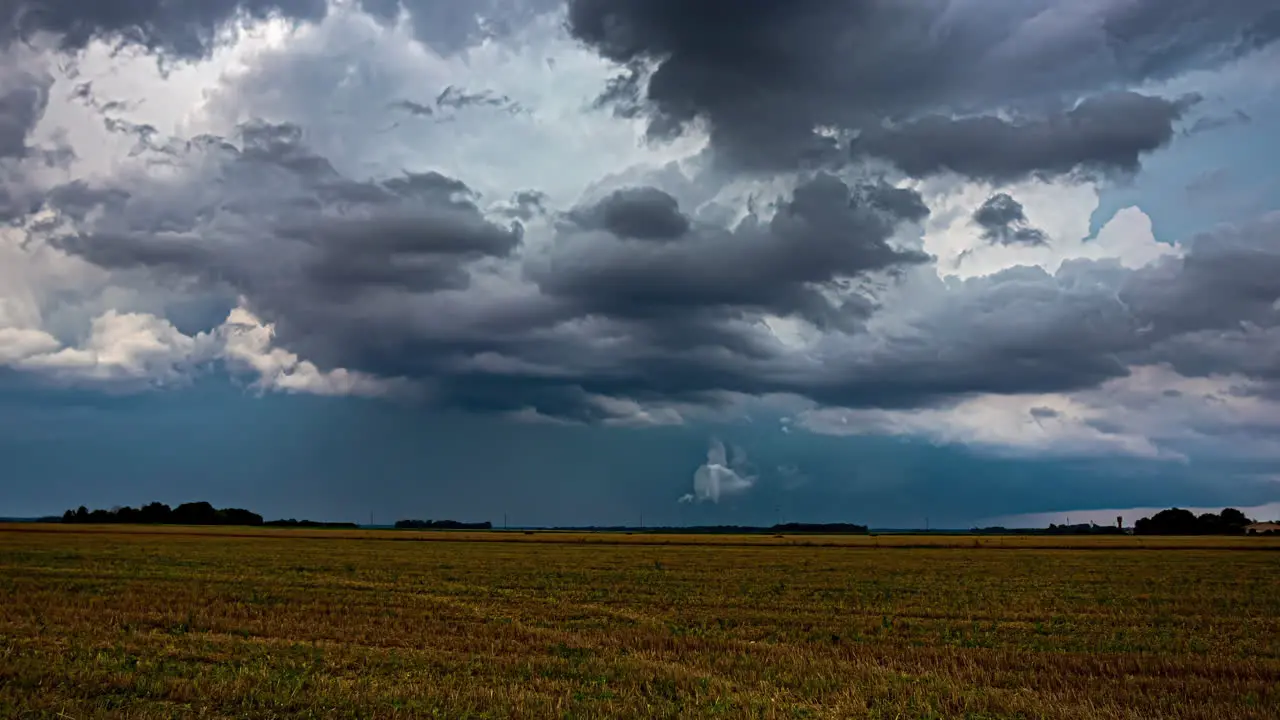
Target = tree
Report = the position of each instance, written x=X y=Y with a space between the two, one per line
x=1176 y=521
x=1233 y=518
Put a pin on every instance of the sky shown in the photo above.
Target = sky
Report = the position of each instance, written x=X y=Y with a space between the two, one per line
x=574 y=262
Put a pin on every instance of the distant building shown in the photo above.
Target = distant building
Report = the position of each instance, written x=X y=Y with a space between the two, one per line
x=1263 y=527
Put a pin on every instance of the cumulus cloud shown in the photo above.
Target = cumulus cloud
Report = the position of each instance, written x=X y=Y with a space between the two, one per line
x=537 y=258
x=247 y=347
x=718 y=477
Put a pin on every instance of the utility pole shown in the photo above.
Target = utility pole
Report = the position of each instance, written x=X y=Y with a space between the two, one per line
x=926 y=523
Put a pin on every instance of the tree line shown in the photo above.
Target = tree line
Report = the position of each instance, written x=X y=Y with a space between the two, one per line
x=441 y=525
x=1177 y=521
x=793 y=528
x=193 y=513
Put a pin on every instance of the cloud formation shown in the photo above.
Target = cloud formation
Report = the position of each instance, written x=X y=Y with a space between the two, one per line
x=186 y=29
x=1003 y=221
x=769 y=78
x=718 y=477
x=190 y=29
x=304 y=225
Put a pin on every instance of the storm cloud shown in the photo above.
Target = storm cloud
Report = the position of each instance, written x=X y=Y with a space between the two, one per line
x=23 y=98
x=187 y=29
x=1103 y=133
x=631 y=299
x=190 y=29
x=833 y=119
x=773 y=79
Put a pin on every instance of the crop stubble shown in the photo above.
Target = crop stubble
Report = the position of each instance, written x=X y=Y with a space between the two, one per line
x=151 y=623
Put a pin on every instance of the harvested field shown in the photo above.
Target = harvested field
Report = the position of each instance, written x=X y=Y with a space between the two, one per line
x=235 y=623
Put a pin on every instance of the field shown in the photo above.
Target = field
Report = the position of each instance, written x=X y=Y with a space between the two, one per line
x=184 y=622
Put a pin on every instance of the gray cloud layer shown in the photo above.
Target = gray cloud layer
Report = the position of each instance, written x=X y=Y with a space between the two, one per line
x=766 y=75
x=190 y=28
x=1105 y=132
x=636 y=297
x=186 y=28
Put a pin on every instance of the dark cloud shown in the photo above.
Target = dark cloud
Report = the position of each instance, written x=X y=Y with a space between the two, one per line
x=179 y=28
x=1003 y=221
x=1209 y=123
x=382 y=275
x=23 y=99
x=765 y=76
x=903 y=203
x=1103 y=133
x=453 y=99
x=290 y=227
x=1044 y=413
x=390 y=287
x=826 y=232
x=1023 y=330
x=24 y=96
x=635 y=296
x=458 y=99
x=526 y=205
x=414 y=108
x=15 y=204
x=641 y=213
x=629 y=299
x=190 y=28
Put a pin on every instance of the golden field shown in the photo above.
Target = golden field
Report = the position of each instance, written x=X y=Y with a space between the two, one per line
x=237 y=623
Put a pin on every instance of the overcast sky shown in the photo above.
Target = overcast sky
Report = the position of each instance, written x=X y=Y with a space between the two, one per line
x=579 y=261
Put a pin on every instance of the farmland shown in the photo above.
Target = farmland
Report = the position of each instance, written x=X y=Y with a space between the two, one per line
x=224 y=622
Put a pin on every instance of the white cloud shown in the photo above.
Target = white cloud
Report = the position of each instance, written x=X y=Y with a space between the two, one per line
x=340 y=79
x=1153 y=413
x=718 y=477
x=1062 y=209
x=124 y=349
x=247 y=348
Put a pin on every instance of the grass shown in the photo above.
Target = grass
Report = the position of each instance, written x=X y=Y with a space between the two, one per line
x=184 y=622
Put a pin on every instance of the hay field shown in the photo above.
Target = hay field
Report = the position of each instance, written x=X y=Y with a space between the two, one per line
x=184 y=622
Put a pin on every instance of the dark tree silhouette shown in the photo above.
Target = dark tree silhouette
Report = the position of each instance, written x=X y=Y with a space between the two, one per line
x=1176 y=521
x=197 y=513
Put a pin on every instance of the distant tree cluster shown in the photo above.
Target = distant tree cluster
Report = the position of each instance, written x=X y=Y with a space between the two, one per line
x=1078 y=529
x=792 y=528
x=196 y=513
x=291 y=523
x=1084 y=529
x=441 y=525
x=1176 y=521
x=821 y=528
